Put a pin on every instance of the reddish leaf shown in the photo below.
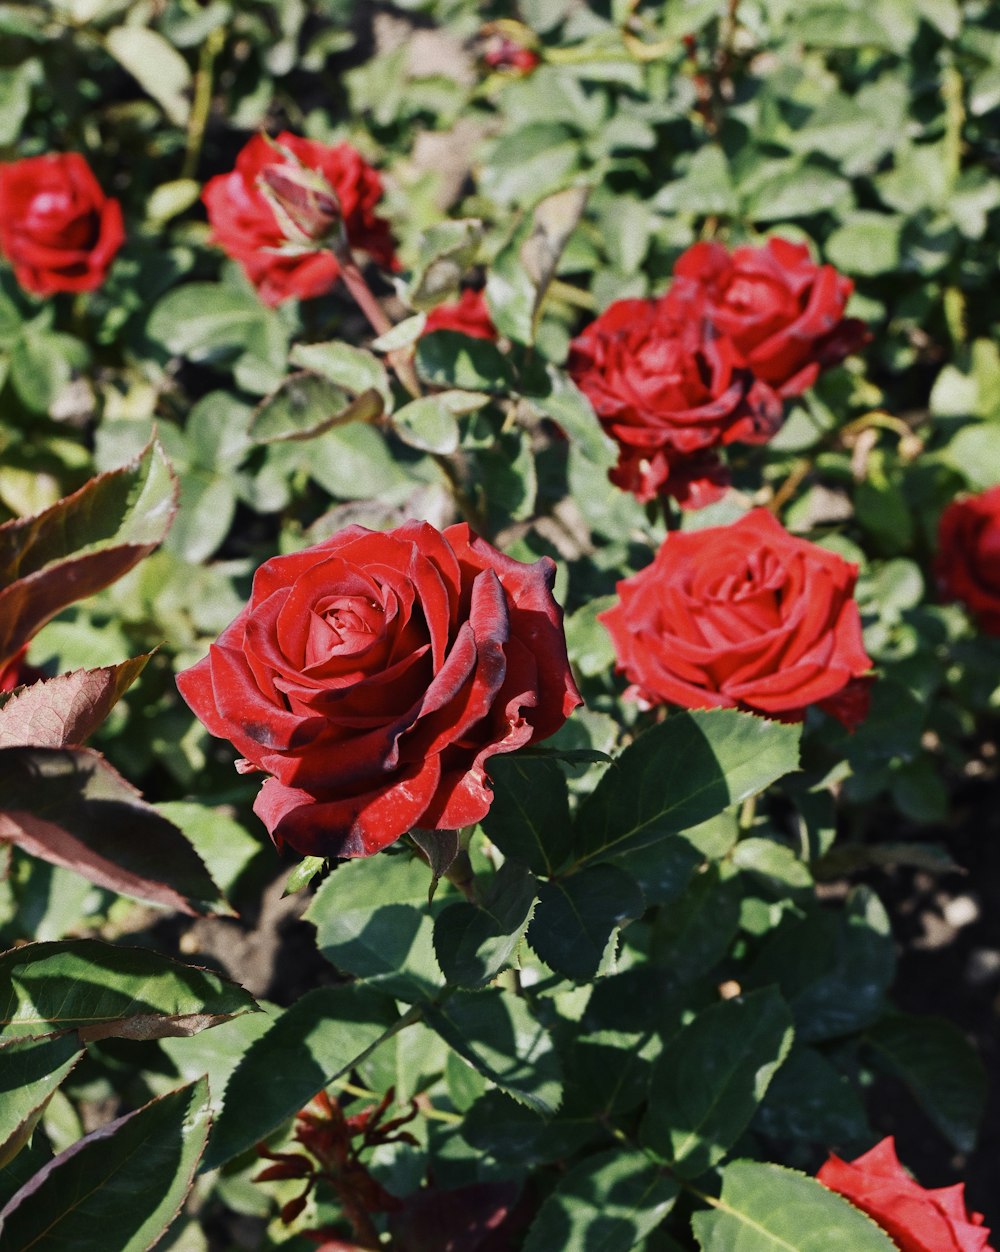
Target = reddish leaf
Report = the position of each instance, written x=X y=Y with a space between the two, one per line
x=61 y=712
x=70 y=807
x=81 y=544
x=452 y=1221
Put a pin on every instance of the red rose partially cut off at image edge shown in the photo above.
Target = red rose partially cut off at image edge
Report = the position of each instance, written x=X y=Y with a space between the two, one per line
x=918 y=1219
x=783 y=313
x=247 y=228
x=58 y=229
x=968 y=560
x=374 y=675
x=743 y=616
x=670 y=391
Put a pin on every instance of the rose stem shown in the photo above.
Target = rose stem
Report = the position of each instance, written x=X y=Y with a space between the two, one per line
x=355 y=283
x=202 y=103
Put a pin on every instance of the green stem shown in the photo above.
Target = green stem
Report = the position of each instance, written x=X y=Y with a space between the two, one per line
x=202 y=103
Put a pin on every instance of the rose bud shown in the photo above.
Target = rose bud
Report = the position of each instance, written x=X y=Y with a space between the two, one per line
x=782 y=312
x=743 y=616
x=253 y=215
x=373 y=676
x=916 y=1218
x=58 y=229
x=303 y=202
x=967 y=565
x=669 y=391
x=506 y=55
x=469 y=315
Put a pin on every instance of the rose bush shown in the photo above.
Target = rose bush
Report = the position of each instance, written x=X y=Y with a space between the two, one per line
x=968 y=559
x=245 y=226
x=669 y=391
x=374 y=675
x=58 y=229
x=918 y=1219
x=782 y=311
x=743 y=616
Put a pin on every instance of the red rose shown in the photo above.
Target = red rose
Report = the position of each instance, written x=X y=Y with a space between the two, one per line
x=669 y=390
x=783 y=313
x=968 y=560
x=58 y=229
x=17 y=672
x=247 y=228
x=742 y=616
x=505 y=54
x=373 y=676
x=918 y=1219
x=469 y=315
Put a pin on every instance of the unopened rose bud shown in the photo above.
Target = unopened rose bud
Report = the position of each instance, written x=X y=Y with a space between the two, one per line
x=505 y=54
x=303 y=202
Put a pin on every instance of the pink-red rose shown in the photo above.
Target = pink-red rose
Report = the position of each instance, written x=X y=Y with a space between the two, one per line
x=916 y=1218
x=374 y=675
x=469 y=315
x=968 y=559
x=669 y=390
x=247 y=228
x=783 y=313
x=58 y=229
x=743 y=616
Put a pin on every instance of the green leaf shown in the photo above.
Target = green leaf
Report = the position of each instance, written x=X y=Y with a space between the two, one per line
x=30 y=1071
x=303 y=874
x=867 y=243
x=939 y=1065
x=81 y=544
x=767 y=1208
x=975 y=452
x=42 y=364
x=813 y=1102
x=444 y=251
x=215 y=1053
x=695 y=933
x=353 y=462
x=790 y=192
x=322 y=1036
x=63 y=711
x=203 y=321
x=427 y=424
x=497 y=1035
x=225 y=846
x=474 y=942
x=449 y=359
x=373 y=920
x=306 y=405
x=86 y=1198
x=832 y=968
x=577 y=915
x=106 y=991
x=570 y=409
x=156 y=65
x=498 y=1126
x=710 y=1078
x=354 y=369
x=71 y=808
x=679 y=774
x=607 y=1203
x=529 y=818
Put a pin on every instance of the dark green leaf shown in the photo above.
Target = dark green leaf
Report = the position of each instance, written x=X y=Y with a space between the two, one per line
x=498 y=1036
x=607 y=1203
x=320 y=1037
x=474 y=942
x=529 y=818
x=941 y=1068
x=373 y=920
x=679 y=774
x=106 y=991
x=86 y=1198
x=30 y=1070
x=577 y=915
x=710 y=1078
x=508 y=1131
x=449 y=359
x=813 y=1102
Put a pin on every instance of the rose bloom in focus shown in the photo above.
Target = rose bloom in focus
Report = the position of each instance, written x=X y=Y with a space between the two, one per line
x=743 y=616
x=968 y=561
x=917 y=1219
x=58 y=229
x=246 y=226
x=374 y=675
x=469 y=315
x=670 y=391
x=782 y=312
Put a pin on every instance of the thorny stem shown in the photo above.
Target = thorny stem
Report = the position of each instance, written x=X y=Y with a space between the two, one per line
x=202 y=102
